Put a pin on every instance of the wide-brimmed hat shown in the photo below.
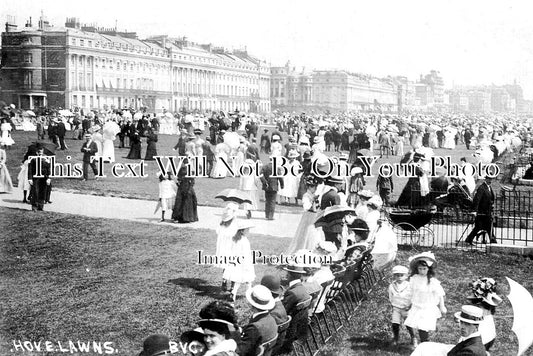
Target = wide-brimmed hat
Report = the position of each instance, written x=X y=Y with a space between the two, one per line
x=427 y=257
x=400 y=270
x=273 y=283
x=293 y=154
x=198 y=132
x=156 y=345
x=230 y=211
x=276 y=137
x=295 y=269
x=317 y=139
x=375 y=201
x=356 y=170
x=484 y=289
x=365 y=193
x=244 y=224
x=326 y=246
x=470 y=314
x=260 y=297
x=335 y=180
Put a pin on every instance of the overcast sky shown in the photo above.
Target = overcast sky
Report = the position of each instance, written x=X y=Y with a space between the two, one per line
x=470 y=42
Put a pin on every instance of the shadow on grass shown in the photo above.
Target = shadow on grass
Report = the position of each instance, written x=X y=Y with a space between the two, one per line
x=202 y=287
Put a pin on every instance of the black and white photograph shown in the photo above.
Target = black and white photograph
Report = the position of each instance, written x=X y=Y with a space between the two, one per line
x=240 y=178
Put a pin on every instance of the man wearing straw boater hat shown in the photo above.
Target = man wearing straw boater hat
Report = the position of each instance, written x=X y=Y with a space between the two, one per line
x=262 y=326
x=470 y=342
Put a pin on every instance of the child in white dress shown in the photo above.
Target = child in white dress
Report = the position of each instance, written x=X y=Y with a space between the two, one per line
x=225 y=232
x=241 y=271
x=400 y=299
x=167 y=193
x=427 y=296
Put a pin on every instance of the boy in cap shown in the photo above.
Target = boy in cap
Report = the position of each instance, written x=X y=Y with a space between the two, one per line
x=400 y=299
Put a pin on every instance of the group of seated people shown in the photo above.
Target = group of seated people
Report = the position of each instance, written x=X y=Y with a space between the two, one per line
x=279 y=315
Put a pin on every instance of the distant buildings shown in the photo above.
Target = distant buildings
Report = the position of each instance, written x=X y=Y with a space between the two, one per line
x=484 y=99
x=95 y=68
x=333 y=90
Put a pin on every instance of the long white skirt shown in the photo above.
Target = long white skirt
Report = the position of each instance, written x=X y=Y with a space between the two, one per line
x=307 y=236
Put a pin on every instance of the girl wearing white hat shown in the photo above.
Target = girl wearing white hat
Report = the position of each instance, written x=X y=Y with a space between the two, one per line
x=225 y=232
x=241 y=271
x=427 y=298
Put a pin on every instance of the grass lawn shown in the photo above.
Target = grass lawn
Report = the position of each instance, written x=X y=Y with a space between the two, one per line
x=372 y=335
x=66 y=277
x=147 y=188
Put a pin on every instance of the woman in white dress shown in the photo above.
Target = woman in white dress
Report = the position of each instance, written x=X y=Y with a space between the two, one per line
x=219 y=168
x=6 y=186
x=110 y=131
x=276 y=147
x=307 y=236
x=98 y=138
x=5 y=137
x=239 y=157
x=291 y=182
x=250 y=184
x=449 y=138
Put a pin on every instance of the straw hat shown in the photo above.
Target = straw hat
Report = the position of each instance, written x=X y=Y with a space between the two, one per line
x=260 y=297
x=365 y=193
x=356 y=170
x=375 y=201
x=244 y=224
x=470 y=314
x=400 y=270
x=427 y=257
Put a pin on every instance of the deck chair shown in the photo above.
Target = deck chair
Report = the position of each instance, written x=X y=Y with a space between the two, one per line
x=267 y=346
x=282 y=331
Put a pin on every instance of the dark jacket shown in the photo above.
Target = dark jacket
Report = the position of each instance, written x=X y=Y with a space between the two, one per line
x=279 y=313
x=469 y=347
x=294 y=295
x=330 y=198
x=261 y=328
x=270 y=184
x=483 y=199
x=93 y=148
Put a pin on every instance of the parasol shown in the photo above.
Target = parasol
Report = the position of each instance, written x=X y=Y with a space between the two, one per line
x=28 y=113
x=333 y=214
x=49 y=148
x=522 y=303
x=234 y=195
x=138 y=116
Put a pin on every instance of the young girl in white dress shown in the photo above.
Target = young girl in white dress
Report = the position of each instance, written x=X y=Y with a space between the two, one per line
x=241 y=271
x=250 y=184
x=167 y=193
x=307 y=235
x=5 y=135
x=23 y=183
x=6 y=186
x=225 y=232
x=427 y=296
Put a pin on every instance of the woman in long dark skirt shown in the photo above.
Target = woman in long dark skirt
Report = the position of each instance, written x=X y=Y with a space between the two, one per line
x=135 y=148
x=185 y=207
x=151 y=148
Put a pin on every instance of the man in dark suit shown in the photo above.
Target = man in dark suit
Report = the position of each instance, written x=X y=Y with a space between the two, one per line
x=39 y=179
x=251 y=151
x=273 y=283
x=61 y=131
x=271 y=186
x=89 y=149
x=470 y=343
x=331 y=196
x=85 y=125
x=296 y=293
x=262 y=326
x=482 y=205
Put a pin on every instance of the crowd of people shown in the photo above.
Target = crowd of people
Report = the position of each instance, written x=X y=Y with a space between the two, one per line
x=340 y=221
